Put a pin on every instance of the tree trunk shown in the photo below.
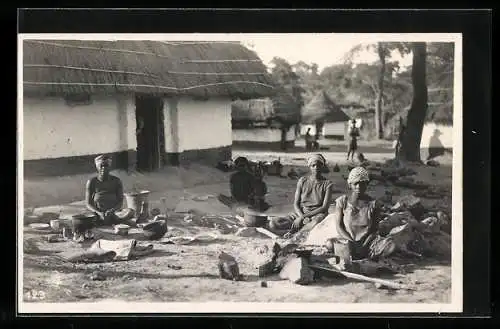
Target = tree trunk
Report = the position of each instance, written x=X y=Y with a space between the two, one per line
x=380 y=94
x=410 y=143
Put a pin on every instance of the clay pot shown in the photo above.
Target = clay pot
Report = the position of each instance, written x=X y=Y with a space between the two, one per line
x=121 y=229
x=155 y=230
x=253 y=220
x=83 y=222
x=330 y=245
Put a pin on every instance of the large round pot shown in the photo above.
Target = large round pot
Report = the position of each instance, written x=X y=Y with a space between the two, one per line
x=135 y=200
x=83 y=222
x=155 y=230
x=253 y=220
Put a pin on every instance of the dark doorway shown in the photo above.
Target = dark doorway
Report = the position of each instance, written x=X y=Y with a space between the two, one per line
x=150 y=132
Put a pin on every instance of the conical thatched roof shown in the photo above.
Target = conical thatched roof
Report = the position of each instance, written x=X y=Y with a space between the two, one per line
x=201 y=69
x=322 y=108
x=281 y=108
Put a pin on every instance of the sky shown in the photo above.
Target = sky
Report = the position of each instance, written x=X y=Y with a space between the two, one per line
x=324 y=49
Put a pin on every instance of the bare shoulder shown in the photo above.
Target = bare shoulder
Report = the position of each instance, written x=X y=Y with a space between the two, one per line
x=341 y=200
x=91 y=181
x=301 y=181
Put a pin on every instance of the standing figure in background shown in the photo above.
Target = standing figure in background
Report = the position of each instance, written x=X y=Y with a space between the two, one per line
x=353 y=139
x=315 y=143
x=308 y=139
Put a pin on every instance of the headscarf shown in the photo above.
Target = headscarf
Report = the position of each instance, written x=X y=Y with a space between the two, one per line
x=102 y=158
x=358 y=174
x=316 y=158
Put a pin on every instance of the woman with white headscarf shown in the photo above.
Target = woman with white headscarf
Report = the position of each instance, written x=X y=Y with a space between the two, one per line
x=355 y=221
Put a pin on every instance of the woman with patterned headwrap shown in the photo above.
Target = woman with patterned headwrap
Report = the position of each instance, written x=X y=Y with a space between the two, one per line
x=355 y=221
x=104 y=196
x=312 y=199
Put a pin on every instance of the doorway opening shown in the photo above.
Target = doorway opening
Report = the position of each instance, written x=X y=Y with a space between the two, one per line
x=150 y=132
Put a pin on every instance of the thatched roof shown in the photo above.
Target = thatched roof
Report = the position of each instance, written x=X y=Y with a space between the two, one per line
x=282 y=108
x=322 y=108
x=203 y=69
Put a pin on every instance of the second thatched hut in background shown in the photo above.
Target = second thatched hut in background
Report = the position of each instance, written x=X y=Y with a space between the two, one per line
x=265 y=123
x=324 y=117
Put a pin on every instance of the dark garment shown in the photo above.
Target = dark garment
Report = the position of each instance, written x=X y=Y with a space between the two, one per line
x=353 y=139
x=313 y=192
x=106 y=194
x=353 y=145
x=241 y=185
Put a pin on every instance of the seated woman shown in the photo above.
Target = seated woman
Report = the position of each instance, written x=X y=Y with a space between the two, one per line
x=246 y=189
x=355 y=221
x=312 y=199
x=259 y=190
x=104 y=195
x=240 y=183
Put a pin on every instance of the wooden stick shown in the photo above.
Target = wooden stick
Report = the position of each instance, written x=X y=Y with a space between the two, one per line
x=63 y=45
x=267 y=232
x=148 y=86
x=209 y=61
x=57 y=44
x=138 y=73
x=360 y=277
x=91 y=69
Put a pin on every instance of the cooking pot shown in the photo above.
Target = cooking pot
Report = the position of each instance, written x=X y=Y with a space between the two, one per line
x=83 y=222
x=121 y=229
x=155 y=230
x=254 y=219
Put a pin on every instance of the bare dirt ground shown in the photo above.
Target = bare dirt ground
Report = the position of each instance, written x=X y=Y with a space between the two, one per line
x=156 y=278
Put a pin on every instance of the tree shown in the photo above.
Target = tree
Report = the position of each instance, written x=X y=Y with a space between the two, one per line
x=410 y=140
x=384 y=50
x=440 y=70
x=284 y=74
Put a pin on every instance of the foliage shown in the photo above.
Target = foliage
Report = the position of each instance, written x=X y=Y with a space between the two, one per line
x=350 y=83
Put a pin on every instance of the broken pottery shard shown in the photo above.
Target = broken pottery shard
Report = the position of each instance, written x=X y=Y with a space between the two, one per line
x=394 y=220
x=228 y=267
x=443 y=217
x=431 y=224
x=413 y=204
x=297 y=271
x=30 y=247
x=266 y=269
x=432 y=163
x=247 y=232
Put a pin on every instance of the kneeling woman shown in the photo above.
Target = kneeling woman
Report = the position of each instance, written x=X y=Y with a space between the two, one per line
x=312 y=199
x=355 y=221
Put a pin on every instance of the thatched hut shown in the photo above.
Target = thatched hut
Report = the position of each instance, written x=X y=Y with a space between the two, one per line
x=324 y=117
x=149 y=103
x=267 y=123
